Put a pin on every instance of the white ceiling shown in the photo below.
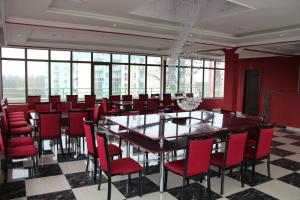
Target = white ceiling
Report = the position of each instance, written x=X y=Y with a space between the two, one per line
x=259 y=27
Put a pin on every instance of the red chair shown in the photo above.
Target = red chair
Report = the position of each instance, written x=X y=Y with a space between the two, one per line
x=179 y=95
x=152 y=105
x=90 y=101
x=143 y=97
x=261 y=149
x=76 y=129
x=96 y=115
x=32 y=100
x=92 y=149
x=195 y=164
x=53 y=100
x=17 y=152
x=127 y=97
x=139 y=106
x=122 y=166
x=115 y=98
x=106 y=110
x=49 y=128
x=63 y=106
x=233 y=155
x=42 y=107
x=189 y=95
x=73 y=99
x=5 y=103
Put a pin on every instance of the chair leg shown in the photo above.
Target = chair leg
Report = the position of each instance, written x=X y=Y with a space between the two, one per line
x=109 y=189
x=268 y=166
x=188 y=182
x=40 y=147
x=182 y=188
x=100 y=179
x=208 y=182
x=140 y=183
x=88 y=162
x=61 y=146
x=69 y=138
x=166 y=180
x=242 y=174
x=95 y=169
x=5 y=170
x=222 y=181
x=253 y=170
x=37 y=162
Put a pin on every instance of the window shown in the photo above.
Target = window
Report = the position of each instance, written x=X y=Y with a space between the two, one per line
x=119 y=79
x=171 y=80
x=153 y=79
x=137 y=59
x=153 y=60
x=60 y=79
x=119 y=58
x=13 y=53
x=101 y=57
x=219 y=83
x=37 y=79
x=81 y=79
x=81 y=56
x=184 y=80
x=101 y=82
x=13 y=77
x=37 y=54
x=197 y=81
x=60 y=55
x=137 y=80
x=208 y=83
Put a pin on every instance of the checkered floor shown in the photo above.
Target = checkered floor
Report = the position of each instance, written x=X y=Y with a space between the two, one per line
x=64 y=177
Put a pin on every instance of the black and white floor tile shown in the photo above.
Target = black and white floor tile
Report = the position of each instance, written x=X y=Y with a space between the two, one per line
x=65 y=177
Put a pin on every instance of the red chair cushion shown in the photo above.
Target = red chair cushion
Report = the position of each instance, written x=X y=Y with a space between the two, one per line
x=22 y=130
x=22 y=151
x=217 y=159
x=16 y=116
x=176 y=166
x=67 y=131
x=22 y=141
x=113 y=111
x=16 y=113
x=124 y=166
x=17 y=124
x=16 y=119
x=114 y=150
x=30 y=111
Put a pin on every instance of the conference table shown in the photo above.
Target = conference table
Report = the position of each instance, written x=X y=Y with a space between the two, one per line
x=164 y=132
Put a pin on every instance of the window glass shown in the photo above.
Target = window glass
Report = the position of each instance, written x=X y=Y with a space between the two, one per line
x=171 y=80
x=13 y=53
x=60 y=79
x=101 y=82
x=101 y=57
x=81 y=79
x=209 y=64
x=37 y=54
x=185 y=62
x=219 y=83
x=119 y=79
x=81 y=56
x=120 y=58
x=173 y=63
x=153 y=79
x=153 y=60
x=137 y=80
x=13 y=77
x=197 y=63
x=208 y=83
x=60 y=55
x=137 y=59
x=38 y=81
x=220 y=65
x=184 y=80
x=197 y=81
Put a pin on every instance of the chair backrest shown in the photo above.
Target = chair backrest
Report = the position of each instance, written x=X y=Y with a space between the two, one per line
x=263 y=145
x=2 y=144
x=76 y=117
x=115 y=98
x=155 y=96
x=198 y=155
x=90 y=101
x=104 y=105
x=127 y=97
x=42 y=107
x=189 y=95
x=49 y=125
x=32 y=100
x=73 y=99
x=178 y=94
x=63 y=106
x=103 y=152
x=143 y=97
x=167 y=100
x=5 y=119
x=139 y=105
x=96 y=115
x=235 y=146
x=53 y=100
x=90 y=137
x=153 y=104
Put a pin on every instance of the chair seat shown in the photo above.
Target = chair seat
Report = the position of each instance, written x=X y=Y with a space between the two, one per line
x=21 y=141
x=217 y=159
x=22 y=130
x=176 y=166
x=113 y=111
x=17 y=124
x=22 y=151
x=30 y=111
x=124 y=166
x=114 y=150
x=16 y=119
x=67 y=131
x=16 y=116
x=16 y=113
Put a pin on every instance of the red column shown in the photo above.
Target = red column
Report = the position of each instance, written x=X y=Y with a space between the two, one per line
x=231 y=79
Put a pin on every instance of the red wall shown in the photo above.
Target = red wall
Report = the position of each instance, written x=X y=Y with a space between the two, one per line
x=277 y=74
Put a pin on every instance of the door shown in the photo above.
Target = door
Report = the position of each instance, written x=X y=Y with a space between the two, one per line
x=101 y=80
x=251 y=92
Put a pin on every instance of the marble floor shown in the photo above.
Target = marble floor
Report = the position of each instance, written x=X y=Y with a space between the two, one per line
x=64 y=177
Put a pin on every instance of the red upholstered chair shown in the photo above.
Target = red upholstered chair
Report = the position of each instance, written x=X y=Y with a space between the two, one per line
x=49 y=128
x=178 y=94
x=233 y=155
x=14 y=122
x=106 y=110
x=111 y=168
x=127 y=98
x=73 y=99
x=63 y=106
x=32 y=100
x=96 y=114
x=143 y=97
x=195 y=164
x=53 y=100
x=189 y=95
x=42 y=107
x=113 y=150
x=115 y=98
x=17 y=152
x=90 y=101
x=152 y=105
x=76 y=129
x=139 y=106
x=261 y=149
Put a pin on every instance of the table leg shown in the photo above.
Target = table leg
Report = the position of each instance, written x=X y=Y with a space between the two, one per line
x=127 y=149
x=162 y=162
